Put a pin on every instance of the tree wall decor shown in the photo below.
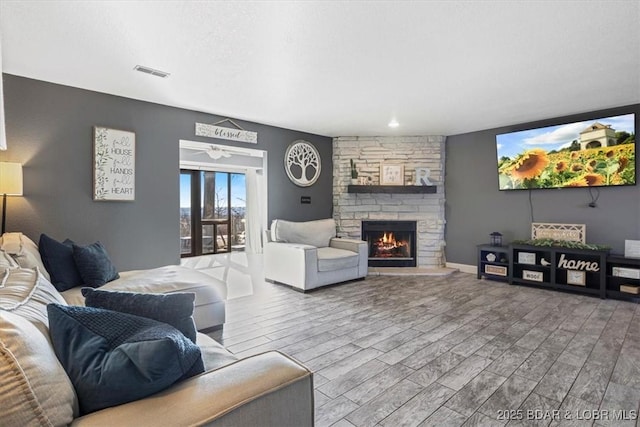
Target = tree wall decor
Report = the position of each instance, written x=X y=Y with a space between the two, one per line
x=302 y=163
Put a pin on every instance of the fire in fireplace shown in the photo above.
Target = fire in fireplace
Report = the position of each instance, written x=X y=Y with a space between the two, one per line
x=387 y=246
x=391 y=243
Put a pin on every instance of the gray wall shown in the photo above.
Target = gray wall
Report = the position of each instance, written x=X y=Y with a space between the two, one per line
x=49 y=131
x=475 y=207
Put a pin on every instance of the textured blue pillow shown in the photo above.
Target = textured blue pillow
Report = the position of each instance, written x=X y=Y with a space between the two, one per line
x=113 y=358
x=94 y=264
x=58 y=260
x=175 y=309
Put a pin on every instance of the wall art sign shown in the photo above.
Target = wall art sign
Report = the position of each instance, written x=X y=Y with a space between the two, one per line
x=564 y=232
x=575 y=277
x=496 y=270
x=628 y=273
x=114 y=164
x=632 y=248
x=578 y=264
x=535 y=276
x=302 y=163
x=391 y=174
x=527 y=258
x=212 y=131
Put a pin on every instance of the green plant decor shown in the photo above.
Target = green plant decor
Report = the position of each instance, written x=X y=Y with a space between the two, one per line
x=562 y=244
x=354 y=171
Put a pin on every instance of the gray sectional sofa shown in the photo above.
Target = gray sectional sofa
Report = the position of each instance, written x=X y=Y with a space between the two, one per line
x=268 y=389
x=211 y=293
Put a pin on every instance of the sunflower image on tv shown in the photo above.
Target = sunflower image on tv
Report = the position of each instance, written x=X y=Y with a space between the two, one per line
x=591 y=153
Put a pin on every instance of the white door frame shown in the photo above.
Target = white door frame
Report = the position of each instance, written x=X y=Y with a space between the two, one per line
x=213 y=166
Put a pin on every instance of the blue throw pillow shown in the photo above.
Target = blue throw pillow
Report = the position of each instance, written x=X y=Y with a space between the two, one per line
x=94 y=264
x=113 y=358
x=58 y=260
x=175 y=309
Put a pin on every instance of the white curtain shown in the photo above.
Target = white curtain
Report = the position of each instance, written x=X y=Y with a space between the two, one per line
x=253 y=222
x=3 y=134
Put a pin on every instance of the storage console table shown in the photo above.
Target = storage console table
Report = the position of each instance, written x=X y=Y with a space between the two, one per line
x=593 y=272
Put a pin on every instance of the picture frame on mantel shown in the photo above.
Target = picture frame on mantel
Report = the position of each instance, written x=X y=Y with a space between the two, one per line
x=391 y=174
x=114 y=164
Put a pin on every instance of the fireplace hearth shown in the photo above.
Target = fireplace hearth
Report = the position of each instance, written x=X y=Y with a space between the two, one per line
x=391 y=243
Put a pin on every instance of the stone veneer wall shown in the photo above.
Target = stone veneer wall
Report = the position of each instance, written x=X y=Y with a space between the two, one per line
x=427 y=209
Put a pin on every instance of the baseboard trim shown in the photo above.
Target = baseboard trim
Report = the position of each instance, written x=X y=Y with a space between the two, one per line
x=465 y=268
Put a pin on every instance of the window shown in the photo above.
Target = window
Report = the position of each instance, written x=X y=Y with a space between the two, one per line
x=212 y=212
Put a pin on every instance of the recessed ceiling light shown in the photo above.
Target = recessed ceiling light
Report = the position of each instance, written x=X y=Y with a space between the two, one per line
x=393 y=123
x=151 y=71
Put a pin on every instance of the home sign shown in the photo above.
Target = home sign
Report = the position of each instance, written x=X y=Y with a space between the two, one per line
x=573 y=264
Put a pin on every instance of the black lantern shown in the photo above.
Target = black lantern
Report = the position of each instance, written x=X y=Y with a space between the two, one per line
x=496 y=239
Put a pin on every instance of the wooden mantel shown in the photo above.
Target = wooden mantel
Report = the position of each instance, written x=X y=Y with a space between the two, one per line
x=393 y=189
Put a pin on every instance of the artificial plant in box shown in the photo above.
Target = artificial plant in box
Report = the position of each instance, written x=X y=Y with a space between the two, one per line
x=354 y=172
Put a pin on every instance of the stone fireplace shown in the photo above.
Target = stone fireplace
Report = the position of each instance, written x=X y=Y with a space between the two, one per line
x=391 y=243
x=425 y=210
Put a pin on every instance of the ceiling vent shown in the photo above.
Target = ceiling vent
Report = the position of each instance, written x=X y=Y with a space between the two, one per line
x=151 y=71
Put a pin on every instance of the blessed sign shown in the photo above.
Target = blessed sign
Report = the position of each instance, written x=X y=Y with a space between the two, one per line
x=114 y=168
x=219 y=132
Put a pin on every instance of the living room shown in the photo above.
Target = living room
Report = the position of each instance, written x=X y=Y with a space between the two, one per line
x=532 y=78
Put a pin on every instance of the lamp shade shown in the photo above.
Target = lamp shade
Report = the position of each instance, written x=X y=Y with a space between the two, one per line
x=11 y=179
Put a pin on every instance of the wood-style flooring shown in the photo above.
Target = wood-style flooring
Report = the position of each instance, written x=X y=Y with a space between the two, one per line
x=449 y=351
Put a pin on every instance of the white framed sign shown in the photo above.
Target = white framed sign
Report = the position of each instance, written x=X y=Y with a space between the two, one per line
x=565 y=232
x=632 y=248
x=114 y=164
x=628 y=273
x=391 y=174
x=535 y=276
x=212 y=131
x=527 y=258
x=496 y=270
x=576 y=277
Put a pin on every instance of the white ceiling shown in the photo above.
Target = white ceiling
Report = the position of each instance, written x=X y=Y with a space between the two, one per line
x=340 y=68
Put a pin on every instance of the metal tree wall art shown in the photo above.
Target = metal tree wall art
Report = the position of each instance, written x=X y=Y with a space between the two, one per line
x=302 y=163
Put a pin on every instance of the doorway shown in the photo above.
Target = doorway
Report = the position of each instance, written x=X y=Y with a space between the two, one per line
x=212 y=212
x=223 y=196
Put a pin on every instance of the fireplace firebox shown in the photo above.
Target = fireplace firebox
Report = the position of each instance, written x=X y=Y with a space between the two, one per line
x=391 y=243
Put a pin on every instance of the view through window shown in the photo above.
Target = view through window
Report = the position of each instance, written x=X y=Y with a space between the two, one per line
x=212 y=212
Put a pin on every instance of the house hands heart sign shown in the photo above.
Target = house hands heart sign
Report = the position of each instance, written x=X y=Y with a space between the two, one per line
x=114 y=167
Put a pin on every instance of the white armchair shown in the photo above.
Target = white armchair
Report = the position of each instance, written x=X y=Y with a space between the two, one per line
x=307 y=255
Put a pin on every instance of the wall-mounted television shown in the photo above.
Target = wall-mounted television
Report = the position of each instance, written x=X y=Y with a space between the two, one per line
x=590 y=153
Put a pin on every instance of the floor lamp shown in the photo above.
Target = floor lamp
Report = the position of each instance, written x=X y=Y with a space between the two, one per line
x=10 y=185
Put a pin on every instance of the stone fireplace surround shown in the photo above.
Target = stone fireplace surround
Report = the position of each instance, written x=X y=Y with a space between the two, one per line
x=426 y=209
